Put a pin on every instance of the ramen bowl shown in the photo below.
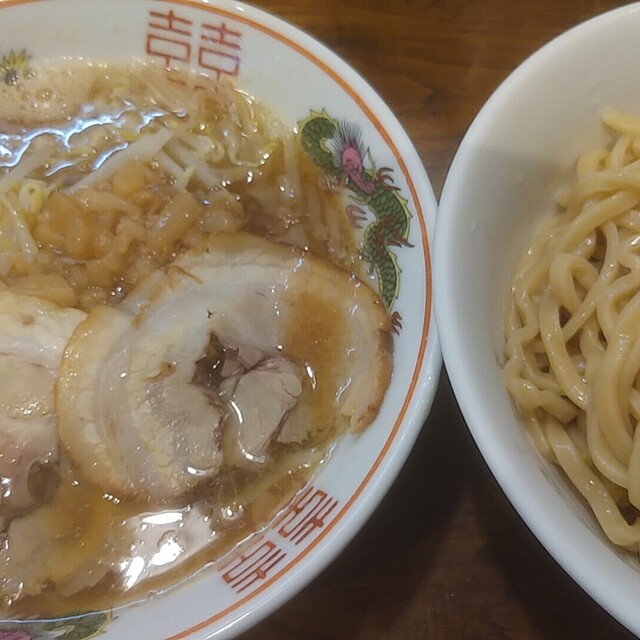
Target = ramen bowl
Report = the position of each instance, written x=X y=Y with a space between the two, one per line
x=520 y=149
x=301 y=81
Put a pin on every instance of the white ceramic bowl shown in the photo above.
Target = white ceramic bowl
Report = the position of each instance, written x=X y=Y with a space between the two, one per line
x=292 y=73
x=522 y=145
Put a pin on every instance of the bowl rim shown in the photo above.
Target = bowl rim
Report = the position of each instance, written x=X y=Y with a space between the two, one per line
x=586 y=569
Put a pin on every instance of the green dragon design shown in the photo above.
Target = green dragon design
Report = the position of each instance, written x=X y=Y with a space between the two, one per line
x=335 y=146
x=13 y=66
x=81 y=627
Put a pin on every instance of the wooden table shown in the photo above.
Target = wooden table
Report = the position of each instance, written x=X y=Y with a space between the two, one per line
x=463 y=565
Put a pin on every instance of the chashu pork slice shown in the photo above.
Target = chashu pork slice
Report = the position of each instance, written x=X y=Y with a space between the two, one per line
x=128 y=414
x=33 y=336
x=131 y=414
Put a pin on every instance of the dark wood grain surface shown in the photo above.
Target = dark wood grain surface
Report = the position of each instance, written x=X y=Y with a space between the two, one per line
x=445 y=556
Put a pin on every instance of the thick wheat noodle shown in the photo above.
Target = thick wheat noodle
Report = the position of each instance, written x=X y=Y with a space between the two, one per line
x=573 y=333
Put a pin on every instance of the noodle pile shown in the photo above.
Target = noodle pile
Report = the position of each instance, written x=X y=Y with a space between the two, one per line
x=573 y=333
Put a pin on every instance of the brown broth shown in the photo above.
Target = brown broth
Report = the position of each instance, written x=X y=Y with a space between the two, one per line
x=78 y=263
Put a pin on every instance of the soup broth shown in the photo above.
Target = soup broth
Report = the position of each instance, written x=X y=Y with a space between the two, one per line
x=117 y=185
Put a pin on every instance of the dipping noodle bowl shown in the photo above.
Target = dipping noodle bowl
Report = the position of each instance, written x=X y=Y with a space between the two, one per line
x=537 y=298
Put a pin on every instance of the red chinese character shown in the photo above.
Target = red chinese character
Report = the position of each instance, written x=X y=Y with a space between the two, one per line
x=221 y=51
x=254 y=566
x=305 y=515
x=169 y=37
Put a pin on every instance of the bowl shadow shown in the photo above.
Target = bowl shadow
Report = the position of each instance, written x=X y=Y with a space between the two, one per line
x=536 y=585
